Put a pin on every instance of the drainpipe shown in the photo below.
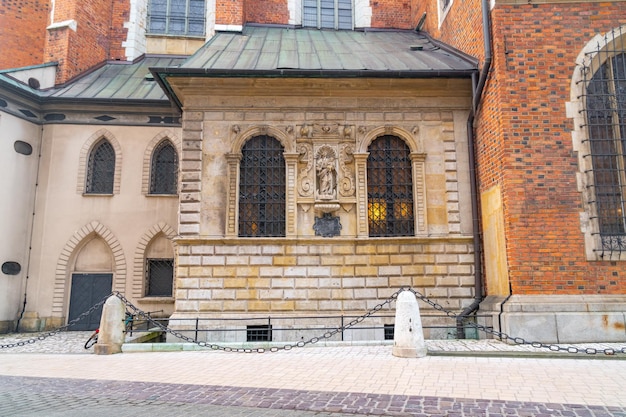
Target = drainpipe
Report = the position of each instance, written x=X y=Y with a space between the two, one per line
x=477 y=95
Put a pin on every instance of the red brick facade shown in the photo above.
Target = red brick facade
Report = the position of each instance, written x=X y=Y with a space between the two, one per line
x=523 y=137
x=269 y=11
x=229 y=12
x=22 y=32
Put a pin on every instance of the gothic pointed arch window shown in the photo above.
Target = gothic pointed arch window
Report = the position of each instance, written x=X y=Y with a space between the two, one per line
x=262 y=188
x=605 y=108
x=164 y=169
x=101 y=169
x=390 y=188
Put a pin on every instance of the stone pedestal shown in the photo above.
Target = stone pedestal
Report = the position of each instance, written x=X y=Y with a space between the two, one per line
x=408 y=339
x=111 y=336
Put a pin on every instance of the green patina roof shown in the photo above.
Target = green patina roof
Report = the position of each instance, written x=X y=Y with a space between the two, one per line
x=275 y=49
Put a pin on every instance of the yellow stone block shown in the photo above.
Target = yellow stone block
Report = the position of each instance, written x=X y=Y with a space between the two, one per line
x=285 y=260
x=258 y=305
x=283 y=305
x=235 y=283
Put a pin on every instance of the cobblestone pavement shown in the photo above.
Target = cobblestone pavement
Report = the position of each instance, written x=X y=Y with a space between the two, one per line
x=58 y=377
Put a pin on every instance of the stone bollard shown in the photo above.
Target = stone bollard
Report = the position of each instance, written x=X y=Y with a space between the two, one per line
x=111 y=335
x=408 y=338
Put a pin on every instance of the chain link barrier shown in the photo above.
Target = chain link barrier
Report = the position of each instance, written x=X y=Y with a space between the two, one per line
x=553 y=347
x=45 y=335
x=302 y=343
x=327 y=335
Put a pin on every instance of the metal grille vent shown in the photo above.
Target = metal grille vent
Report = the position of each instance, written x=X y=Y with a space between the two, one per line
x=164 y=169
x=389 y=188
x=604 y=75
x=262 y=188
x=101 y=169
x=159 y=277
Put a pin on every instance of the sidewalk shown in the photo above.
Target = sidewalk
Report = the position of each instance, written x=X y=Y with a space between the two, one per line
x=479 y=372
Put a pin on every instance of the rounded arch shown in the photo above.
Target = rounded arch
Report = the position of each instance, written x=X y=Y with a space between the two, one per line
x=63 y=269
x=84 y=158
x=592 y=57
x=140 y=251
x=253 y=131
x=147 y=156
x=412 y=139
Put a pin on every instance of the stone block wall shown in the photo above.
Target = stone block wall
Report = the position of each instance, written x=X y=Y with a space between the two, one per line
x=325 y=277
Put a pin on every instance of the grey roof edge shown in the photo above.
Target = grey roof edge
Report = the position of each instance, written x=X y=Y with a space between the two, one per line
x=29 y=67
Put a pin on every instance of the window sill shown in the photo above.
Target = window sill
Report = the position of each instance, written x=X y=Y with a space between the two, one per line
x=163 y=195
x=156 y=300
x=98 y=194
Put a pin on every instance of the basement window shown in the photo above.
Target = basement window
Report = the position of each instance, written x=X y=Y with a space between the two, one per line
x=259 y=333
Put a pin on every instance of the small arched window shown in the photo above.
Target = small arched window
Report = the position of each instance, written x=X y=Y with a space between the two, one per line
x=164 y=169
x=101 y=169
x=262 y=188
x=390 y=188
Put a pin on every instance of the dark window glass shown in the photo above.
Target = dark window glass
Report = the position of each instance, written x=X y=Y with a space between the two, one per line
x=101 y=169
x=176 y=17
x=262 y=188
x=389 y=188
x=164 y=169
x=606 y=123
x=159 y=277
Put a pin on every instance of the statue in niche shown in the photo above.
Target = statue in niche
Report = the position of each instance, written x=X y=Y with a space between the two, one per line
x=326 y=173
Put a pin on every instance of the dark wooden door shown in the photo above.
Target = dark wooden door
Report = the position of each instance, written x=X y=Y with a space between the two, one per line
x=87 y=290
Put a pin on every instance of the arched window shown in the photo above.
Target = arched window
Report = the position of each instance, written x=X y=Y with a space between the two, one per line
x=164 y=169
x=101 y=169
x=262 y=188
x=605 y=105
x=389 y=188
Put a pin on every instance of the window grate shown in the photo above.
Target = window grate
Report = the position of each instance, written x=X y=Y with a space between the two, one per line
x=159 y=277
x=262 y=188
x=259 y=333
x=390 y=188
x=604 y=74
x=389 y=330
x=164 y=169
x=176 y=17
x=101 y=169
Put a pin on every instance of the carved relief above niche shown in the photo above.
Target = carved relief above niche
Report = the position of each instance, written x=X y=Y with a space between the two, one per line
x=326 y=176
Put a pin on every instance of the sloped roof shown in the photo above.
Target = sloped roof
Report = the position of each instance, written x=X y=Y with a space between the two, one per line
x=119 y=81
x=310 y=51
x=112 y=81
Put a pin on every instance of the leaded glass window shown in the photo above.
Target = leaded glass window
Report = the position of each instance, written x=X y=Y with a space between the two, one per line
x=390 y=188
x=176 y=17
x=159 y=277
x=262 y=188
x=101 y=169
x=606 y=125
x=164 y=169
x=327 y=14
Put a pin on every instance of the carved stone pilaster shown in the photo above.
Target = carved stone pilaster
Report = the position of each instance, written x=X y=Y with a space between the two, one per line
x=291 y=160
x=232 y=204
x=306 y=182
x=346 y=164
x=360 y=163
x=418 y=160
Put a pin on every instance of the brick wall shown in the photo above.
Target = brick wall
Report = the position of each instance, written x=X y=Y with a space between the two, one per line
x=269 y=11
x=229 y=12
x=98 y=36
x=523 y=139
x=392 y=14
x=22 y=32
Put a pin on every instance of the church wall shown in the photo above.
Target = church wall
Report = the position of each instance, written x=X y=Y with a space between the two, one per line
x=222 y=275
x=69 y=221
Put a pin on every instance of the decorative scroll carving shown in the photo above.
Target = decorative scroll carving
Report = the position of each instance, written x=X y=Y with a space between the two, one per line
x=325 y=167
x=324 y=131
x=305 y=183
x=346 y=158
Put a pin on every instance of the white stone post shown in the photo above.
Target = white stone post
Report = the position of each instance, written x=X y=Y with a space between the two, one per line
x=408 y=338
x=111 y=335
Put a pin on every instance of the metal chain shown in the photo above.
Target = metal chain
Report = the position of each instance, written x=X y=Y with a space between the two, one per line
x=327 y=335
x=518 y=340
x=45 y=335
x=302 y=343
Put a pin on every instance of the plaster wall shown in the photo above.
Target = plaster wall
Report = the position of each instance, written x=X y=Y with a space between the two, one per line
x=102 y=228
x=18 y=179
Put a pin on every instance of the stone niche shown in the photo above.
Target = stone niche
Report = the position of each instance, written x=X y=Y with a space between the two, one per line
x=326 y=179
